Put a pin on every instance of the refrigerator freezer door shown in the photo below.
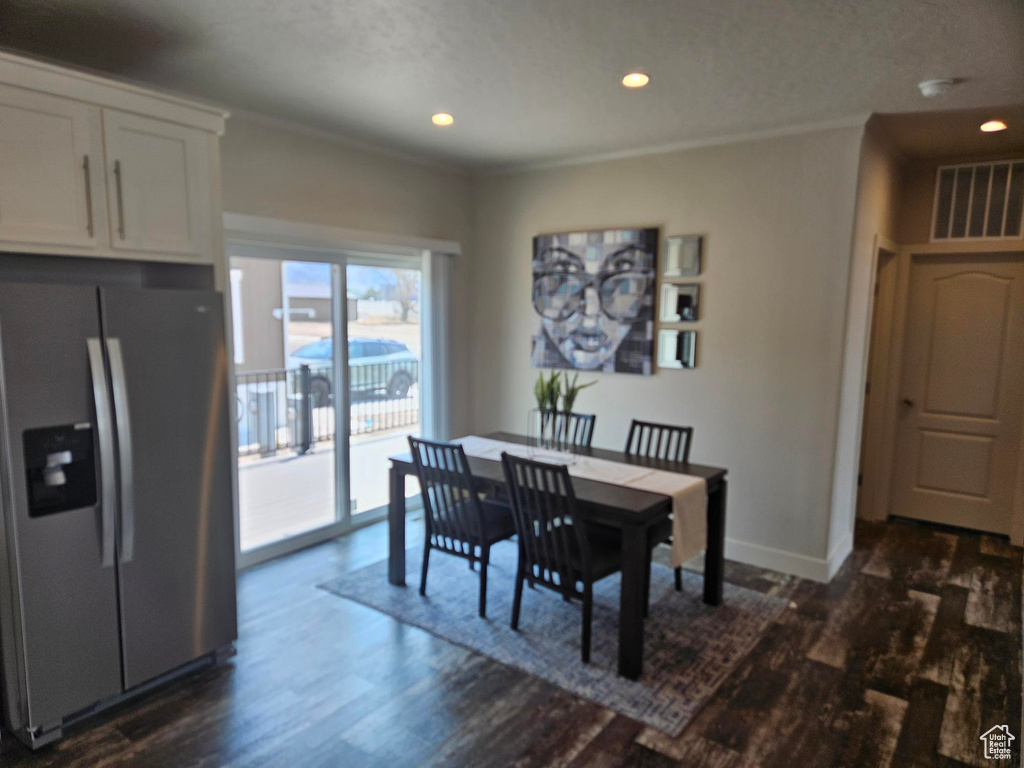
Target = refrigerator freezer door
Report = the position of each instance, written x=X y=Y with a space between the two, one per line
x=66 y=600
x=169 y=374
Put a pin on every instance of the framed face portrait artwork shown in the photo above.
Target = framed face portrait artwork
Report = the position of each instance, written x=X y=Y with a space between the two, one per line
x=593 y=293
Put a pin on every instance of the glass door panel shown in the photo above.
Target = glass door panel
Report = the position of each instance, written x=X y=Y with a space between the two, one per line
x=384 y=356
x=284 y=331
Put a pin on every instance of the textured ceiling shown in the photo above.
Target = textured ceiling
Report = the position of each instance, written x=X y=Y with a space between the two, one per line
x=537 y=80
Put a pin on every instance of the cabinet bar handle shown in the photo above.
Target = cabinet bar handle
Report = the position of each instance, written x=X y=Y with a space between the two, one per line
x=120 y=199
x=88 y=194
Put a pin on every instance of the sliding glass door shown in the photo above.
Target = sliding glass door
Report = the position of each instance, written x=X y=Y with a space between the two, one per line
x=385 y=356
x=284 y=329
x=329 y=379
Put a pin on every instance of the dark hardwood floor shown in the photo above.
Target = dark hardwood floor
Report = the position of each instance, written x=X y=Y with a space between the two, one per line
x=910 y=653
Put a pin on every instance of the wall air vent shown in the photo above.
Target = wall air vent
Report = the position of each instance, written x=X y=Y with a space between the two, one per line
x=979 y=201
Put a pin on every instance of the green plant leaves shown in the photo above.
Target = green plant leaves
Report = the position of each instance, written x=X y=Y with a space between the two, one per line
x=548 y=391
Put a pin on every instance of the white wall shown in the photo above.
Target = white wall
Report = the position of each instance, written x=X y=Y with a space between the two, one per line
x=286 y=172
x=778 y=219
x=876 y=209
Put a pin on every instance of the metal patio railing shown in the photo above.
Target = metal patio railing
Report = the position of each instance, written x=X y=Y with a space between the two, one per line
x=293 y=410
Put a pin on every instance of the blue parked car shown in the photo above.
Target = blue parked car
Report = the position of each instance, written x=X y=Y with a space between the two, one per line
x=375 y=366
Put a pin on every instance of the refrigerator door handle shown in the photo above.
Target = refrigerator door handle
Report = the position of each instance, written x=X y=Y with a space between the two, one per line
x=124 y=445
x=105 y=432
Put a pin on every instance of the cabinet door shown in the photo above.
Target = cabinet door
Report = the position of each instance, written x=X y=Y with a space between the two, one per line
x=49 y=170
x=158 y=186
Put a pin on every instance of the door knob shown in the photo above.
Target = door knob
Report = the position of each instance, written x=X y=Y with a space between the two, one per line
x=908 y=402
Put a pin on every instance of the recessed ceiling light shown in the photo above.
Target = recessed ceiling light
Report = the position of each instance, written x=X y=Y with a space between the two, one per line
x=442 y=118
x=993 y=125
x=635 y=80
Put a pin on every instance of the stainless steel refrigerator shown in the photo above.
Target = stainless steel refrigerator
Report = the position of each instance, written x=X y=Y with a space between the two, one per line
x=118 y=533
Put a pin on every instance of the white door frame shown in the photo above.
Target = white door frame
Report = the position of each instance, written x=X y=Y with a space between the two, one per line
x=882 y=306
x=259 y=237
x=342 y=523
x=882 y=498
x=364 y=259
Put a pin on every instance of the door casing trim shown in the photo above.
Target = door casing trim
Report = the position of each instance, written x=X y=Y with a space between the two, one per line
x=881 y=505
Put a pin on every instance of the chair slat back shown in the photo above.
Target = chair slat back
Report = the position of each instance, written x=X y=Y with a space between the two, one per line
x=543 y=510
x=659 y=441
x=452 y=510
x=574 y=428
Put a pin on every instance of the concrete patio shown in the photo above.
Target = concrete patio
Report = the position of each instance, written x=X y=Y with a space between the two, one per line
x=288 y=494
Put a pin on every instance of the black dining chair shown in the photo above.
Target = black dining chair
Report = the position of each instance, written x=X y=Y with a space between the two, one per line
x=458 y=520
x=555 y=549
x=571 y=428
x=659 y=441
x=667 y=442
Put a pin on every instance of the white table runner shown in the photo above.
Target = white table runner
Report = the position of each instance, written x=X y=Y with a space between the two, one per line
x=688 y=493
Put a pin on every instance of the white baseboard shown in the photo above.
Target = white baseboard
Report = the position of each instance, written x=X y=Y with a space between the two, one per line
x=814 y=568
x=839 y=553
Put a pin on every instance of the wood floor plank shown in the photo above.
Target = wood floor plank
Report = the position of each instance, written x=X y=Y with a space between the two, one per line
x=984 y=691
x=997 y=546
x=867 y=734
x=946 y=635
x=961 y=569
x=842 y=617
x=616 y=736
x=897 y=649
x=639 y=756
x=882 y=627
x=504 y=729
x=692 y=750
x=795 y=729
x=919 y=558
x=994 y=599
x=757 y=686
x=609 y=746
x=919 y=739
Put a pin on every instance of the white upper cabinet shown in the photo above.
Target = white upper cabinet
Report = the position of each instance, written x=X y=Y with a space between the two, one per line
x=49 y=157
x=157 y=185
x=93 y=167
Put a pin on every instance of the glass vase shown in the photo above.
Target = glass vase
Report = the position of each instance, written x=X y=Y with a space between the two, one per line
x=547 y=437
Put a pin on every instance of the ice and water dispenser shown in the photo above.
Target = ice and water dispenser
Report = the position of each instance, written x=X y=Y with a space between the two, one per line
x=61 y=468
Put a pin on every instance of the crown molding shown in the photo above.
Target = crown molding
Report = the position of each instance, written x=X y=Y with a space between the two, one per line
x=852 y=121
x=347 y=141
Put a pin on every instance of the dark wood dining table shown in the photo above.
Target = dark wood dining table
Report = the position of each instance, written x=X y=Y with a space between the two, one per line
x=635 y=512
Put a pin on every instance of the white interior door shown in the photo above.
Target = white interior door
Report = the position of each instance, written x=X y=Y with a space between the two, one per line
x=962 y=393
x=157 y=185
x=49 y=158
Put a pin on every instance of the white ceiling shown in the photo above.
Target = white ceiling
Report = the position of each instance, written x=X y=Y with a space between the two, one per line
x=537 y=80
x=944 y=135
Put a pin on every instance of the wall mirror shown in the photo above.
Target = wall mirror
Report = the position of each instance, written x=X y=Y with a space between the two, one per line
x=679 y=302
x=677 y=349
x=683 y=256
